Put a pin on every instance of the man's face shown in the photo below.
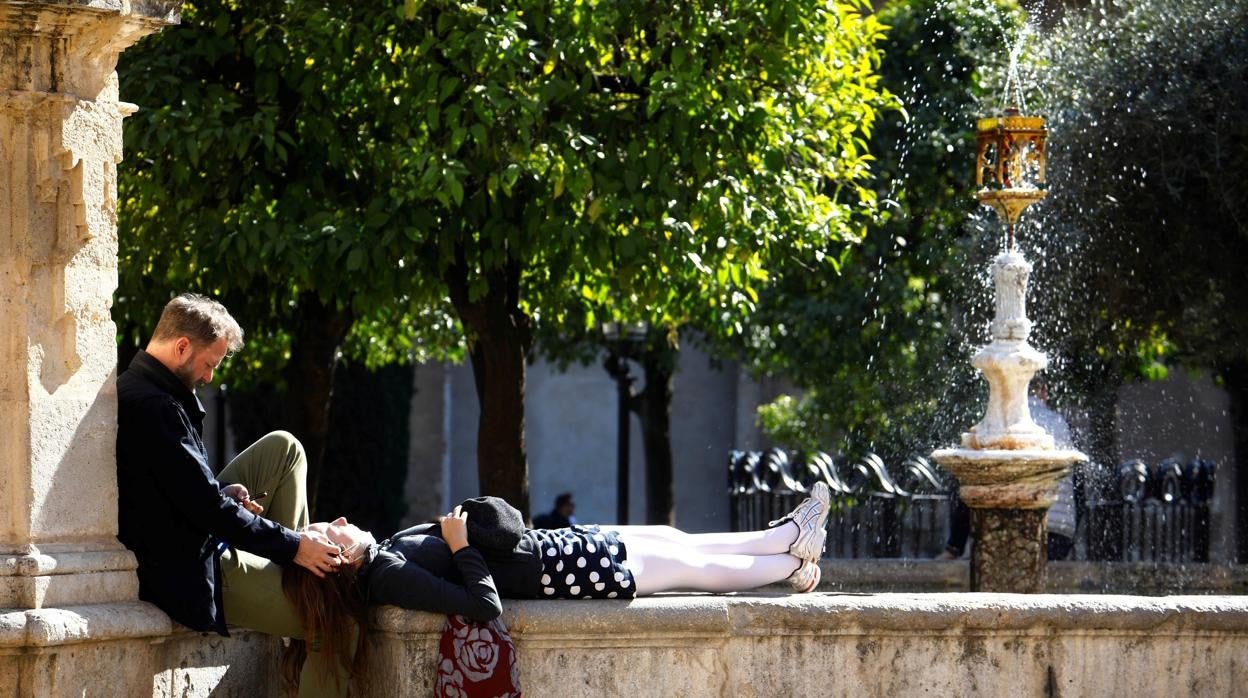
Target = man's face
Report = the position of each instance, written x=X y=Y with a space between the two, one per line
x=198 y=363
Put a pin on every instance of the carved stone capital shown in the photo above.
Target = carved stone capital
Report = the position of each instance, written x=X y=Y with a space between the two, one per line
x=71 y=46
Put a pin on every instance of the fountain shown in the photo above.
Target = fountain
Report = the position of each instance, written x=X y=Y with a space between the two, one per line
x=1008 y=466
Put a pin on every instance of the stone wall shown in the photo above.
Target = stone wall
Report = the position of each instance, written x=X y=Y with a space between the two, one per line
x=129 y=649
x=70 y=620
x=830 y=644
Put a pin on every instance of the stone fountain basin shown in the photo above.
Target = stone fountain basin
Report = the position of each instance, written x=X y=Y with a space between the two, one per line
x=1008 y=479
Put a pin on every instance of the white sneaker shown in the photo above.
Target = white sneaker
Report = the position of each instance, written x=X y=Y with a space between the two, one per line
x=811 y=517
x=805 y=578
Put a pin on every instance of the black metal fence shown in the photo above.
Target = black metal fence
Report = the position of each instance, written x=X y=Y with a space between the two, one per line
x=1140 y=513
x=877 y=510
x=1136 y=513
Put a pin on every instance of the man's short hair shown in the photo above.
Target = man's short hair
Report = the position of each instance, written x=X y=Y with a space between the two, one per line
x=565 y=498
x=201 y=320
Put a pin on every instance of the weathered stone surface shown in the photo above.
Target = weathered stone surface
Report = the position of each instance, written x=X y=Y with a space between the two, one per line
x=1066 y=576
x=76 y=624
x=60 y=142
x=696 y=645
x=194 y=665
x=1010 y=550
x=1147 y=578
x=882 y=575
x=835 y=644
x=129 y=650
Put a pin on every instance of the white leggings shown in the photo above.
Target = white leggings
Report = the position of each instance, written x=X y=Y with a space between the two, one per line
x=663 y=558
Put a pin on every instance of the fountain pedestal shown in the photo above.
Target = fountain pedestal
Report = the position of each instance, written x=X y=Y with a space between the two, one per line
x=1008 y=467
x=1010 y=550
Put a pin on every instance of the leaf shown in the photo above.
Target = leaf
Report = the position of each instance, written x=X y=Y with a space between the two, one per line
x=456 y=189
x=355 y=259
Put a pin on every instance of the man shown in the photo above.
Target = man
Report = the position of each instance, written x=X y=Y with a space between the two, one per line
x=205 y=555
x=559 y=517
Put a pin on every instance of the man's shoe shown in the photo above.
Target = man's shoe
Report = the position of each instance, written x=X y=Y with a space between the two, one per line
x=811 y=517
x=805 y=578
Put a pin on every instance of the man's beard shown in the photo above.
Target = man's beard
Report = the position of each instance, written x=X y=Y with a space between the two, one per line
x=186 y=374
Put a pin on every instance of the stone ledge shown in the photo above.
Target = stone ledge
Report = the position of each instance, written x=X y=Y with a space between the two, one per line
x=130 y=649
x=159 y=11
x=763 y=644
x=685 y=615
x=1064 y=577
x=48 y=627
x=68 y=562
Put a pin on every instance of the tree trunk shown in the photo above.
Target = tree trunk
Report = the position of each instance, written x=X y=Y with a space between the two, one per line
x=653 y=406
x=317 y=335
x=500 y=335
x=1236 y=377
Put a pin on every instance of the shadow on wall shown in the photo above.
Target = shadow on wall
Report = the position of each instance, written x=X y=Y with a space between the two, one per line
x=194 y=664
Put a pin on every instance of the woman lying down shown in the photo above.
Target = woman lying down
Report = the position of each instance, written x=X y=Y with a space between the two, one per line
x=433 y=567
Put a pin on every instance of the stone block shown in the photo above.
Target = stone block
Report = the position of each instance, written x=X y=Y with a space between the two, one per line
x=194 y=665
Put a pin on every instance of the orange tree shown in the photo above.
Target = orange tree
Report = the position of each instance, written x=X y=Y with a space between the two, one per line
x=875 y=345
x=363 y=172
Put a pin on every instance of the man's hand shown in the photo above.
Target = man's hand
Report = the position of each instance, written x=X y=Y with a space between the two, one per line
x=317 y=554
x=455 y=529
x=240 y=494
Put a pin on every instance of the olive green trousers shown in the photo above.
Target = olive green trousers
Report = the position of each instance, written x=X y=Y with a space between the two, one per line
x=252 y=585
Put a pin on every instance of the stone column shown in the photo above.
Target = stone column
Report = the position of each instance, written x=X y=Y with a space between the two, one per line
x=60 y=143
x=1010 y=553
x=71 y=623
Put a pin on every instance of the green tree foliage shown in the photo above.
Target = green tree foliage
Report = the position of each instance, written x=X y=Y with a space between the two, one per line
x=634 y=159
x=877 y=343
x=1149 y=151
x=259 y=172
x=525 y=161
x=1146 y=228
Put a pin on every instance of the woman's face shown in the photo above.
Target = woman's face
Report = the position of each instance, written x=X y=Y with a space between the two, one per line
x=343 y=533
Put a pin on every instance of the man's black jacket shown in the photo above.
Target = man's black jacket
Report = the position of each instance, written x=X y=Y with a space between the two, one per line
x=171 y=510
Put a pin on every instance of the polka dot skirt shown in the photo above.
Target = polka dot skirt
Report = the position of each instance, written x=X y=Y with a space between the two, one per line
x=583 y=562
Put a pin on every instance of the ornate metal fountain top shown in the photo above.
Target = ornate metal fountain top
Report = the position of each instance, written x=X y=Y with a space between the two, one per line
x=1010 y=163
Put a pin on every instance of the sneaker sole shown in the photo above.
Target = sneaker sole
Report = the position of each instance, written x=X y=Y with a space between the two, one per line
x=814 y=583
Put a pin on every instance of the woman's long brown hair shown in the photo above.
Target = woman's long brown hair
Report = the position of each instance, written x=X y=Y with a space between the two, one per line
x=333 y=613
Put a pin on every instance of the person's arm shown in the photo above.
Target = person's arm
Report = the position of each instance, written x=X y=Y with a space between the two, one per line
x=393 y=580
x=182 y=475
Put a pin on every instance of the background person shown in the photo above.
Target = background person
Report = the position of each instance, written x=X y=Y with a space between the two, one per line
x=562 y=516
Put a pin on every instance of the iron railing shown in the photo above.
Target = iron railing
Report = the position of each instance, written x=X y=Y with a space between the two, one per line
x=1140 y=513
x=1134 y=514
x=877 y=510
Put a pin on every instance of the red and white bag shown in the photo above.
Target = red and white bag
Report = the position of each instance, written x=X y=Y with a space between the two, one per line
x=476 y=660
